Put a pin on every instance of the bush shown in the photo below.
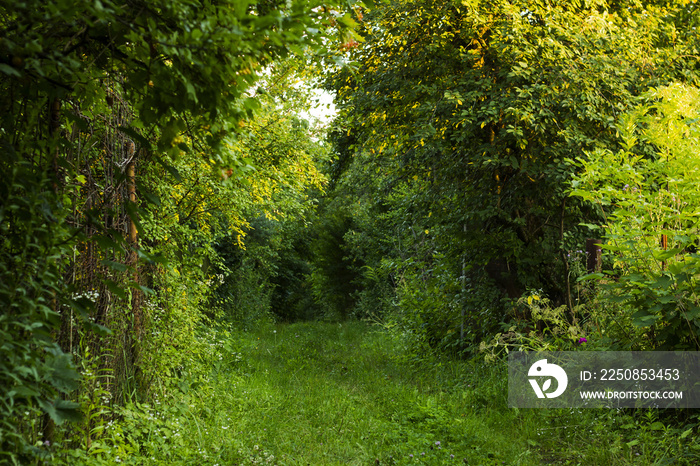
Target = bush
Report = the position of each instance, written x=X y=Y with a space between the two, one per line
x=648 y=194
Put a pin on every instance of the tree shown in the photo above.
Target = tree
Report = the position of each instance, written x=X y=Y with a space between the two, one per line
x=477 y=110
x=99 y=98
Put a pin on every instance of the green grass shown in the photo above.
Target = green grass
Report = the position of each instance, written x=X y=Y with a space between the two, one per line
x=346 y=394
x=339 y=394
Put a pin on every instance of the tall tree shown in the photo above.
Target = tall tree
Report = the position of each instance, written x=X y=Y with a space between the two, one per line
x=474 y=110
x=96 y=95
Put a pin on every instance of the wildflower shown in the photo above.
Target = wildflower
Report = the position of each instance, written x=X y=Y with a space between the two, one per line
x=452 y=457
x=437 y=444
x=582 y=340
x=411 y=455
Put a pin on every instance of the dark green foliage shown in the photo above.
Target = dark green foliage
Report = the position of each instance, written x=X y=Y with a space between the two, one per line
x=271 y=278
x=335 y=275
x=122 y=118
x=34 y=372
x=243 y=292
x=292 y=298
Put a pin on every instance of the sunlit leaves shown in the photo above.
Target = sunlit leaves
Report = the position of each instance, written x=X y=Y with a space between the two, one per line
x=95 y=94
x=474 y=112
x=651 y=209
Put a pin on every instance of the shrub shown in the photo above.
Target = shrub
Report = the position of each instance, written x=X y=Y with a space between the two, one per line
x=647 y=192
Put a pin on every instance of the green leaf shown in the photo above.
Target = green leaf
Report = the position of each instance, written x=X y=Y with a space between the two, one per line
x=105 y=242
x=693 y=312
x=151 y=199
x=22 y=391
x=97 y=329
x=84 y=306
x=152 y=258
x=637 y=278
x=644 y=319
x=62 y=374
x=169 y=168
x=663 y=282
x=7 y=69
x=146 y=290
x=656 y=426
x=118 y=266
x=61 y=411
x=133 y=134
x=591 y=276
x=116 y=288
x=665 y=255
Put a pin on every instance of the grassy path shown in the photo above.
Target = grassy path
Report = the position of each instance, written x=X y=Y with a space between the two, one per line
x=324 y=394
x=344 y=394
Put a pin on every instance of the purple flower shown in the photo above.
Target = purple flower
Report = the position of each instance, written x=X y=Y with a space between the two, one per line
x=437 y=444
x=411 y=455
x=582 y=340
x=452 y=457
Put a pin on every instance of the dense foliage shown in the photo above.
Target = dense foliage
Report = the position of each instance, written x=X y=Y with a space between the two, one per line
x=164 y=194
x=650 y=205
x=130 y=150
x=458 y=134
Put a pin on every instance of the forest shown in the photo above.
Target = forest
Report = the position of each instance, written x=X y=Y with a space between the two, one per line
x=196 y=268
